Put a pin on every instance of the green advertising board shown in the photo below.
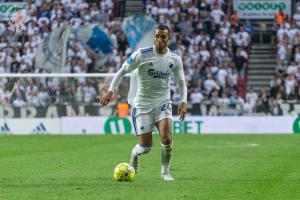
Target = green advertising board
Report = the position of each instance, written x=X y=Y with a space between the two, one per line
x=115 y=125
x=261 y=9
x=7 y=10
x=296 y=125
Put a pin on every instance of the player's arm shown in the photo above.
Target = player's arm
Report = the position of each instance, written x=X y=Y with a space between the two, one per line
x=129 y=65
x=179 y=76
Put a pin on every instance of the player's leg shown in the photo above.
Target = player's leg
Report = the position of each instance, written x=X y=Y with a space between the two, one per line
x=143 y=126
x=144 y=146
x=164 y=127
x=163 y=122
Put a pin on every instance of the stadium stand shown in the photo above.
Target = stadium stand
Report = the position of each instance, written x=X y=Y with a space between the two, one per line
x=214 y=46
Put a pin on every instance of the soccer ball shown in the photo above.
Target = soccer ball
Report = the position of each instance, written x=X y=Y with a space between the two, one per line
x=124 y=172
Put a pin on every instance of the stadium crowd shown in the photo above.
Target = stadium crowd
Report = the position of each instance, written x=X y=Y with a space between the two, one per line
x=213 y=45
x=286 y=81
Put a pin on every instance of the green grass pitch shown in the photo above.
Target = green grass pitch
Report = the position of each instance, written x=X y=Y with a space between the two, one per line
x=204 y=166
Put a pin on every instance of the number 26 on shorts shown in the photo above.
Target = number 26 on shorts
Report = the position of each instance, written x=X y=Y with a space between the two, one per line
x=167 y=106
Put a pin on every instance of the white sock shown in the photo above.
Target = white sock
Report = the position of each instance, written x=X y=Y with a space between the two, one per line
x=140 y=149
x=166 y=152
x=136 y=152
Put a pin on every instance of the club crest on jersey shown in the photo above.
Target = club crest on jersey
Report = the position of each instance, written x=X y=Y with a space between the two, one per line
x=129 y=59
x=158 y=74
x=171 y=65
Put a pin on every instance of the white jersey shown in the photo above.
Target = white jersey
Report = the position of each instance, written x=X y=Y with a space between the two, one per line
x=153 y=73
x=132 y=87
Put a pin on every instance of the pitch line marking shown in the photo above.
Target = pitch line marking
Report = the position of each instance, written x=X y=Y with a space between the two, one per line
x=233 y=146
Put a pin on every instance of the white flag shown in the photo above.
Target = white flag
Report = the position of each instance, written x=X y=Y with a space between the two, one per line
x=96 y=40
x=51 y=53
x=139 y=31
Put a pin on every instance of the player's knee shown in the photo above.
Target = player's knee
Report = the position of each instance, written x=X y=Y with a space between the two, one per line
x=167 y=140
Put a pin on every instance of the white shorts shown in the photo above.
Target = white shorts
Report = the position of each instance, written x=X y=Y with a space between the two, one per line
x=144 y=119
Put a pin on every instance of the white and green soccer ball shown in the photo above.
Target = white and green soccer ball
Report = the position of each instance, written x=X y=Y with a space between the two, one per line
x=124 y=172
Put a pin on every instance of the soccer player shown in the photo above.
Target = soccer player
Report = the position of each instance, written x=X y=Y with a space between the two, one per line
x=152 y=103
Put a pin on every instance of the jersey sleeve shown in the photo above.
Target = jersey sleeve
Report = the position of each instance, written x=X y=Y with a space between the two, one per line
x=132 y=61
x=179 y=76
x=128 y=66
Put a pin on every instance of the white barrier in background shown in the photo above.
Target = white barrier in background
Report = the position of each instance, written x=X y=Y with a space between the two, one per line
x=82 y=125
x=30 y=126
x=96 y=125
x=114 y=125
x=243 y=125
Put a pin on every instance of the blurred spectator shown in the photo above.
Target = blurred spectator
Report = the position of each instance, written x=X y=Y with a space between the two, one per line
x=276 y=105
x=251 y=96
x=262 y=103
x=296 y=18
x=248 y=107
x=223 y=103
x=234 y=17
x=123 y=44
x=217 y=14
x=240 y=62
x=280 y=17
x=89 y=93
x=210 y=84
x=242 y=38
x=196 y=99
x=237 y=102
x=248 y=28
x=19 y=101
x=290 y=85
x=123 y=109
x=275 y=85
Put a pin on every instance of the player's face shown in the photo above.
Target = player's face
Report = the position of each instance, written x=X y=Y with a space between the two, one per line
x=161 y=39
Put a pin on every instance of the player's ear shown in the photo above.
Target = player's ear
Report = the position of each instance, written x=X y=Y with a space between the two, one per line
x=169 y=34
x=169 y=37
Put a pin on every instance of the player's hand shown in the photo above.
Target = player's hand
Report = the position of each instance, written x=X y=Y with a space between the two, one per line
x=182 y=110
x=107 y=98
